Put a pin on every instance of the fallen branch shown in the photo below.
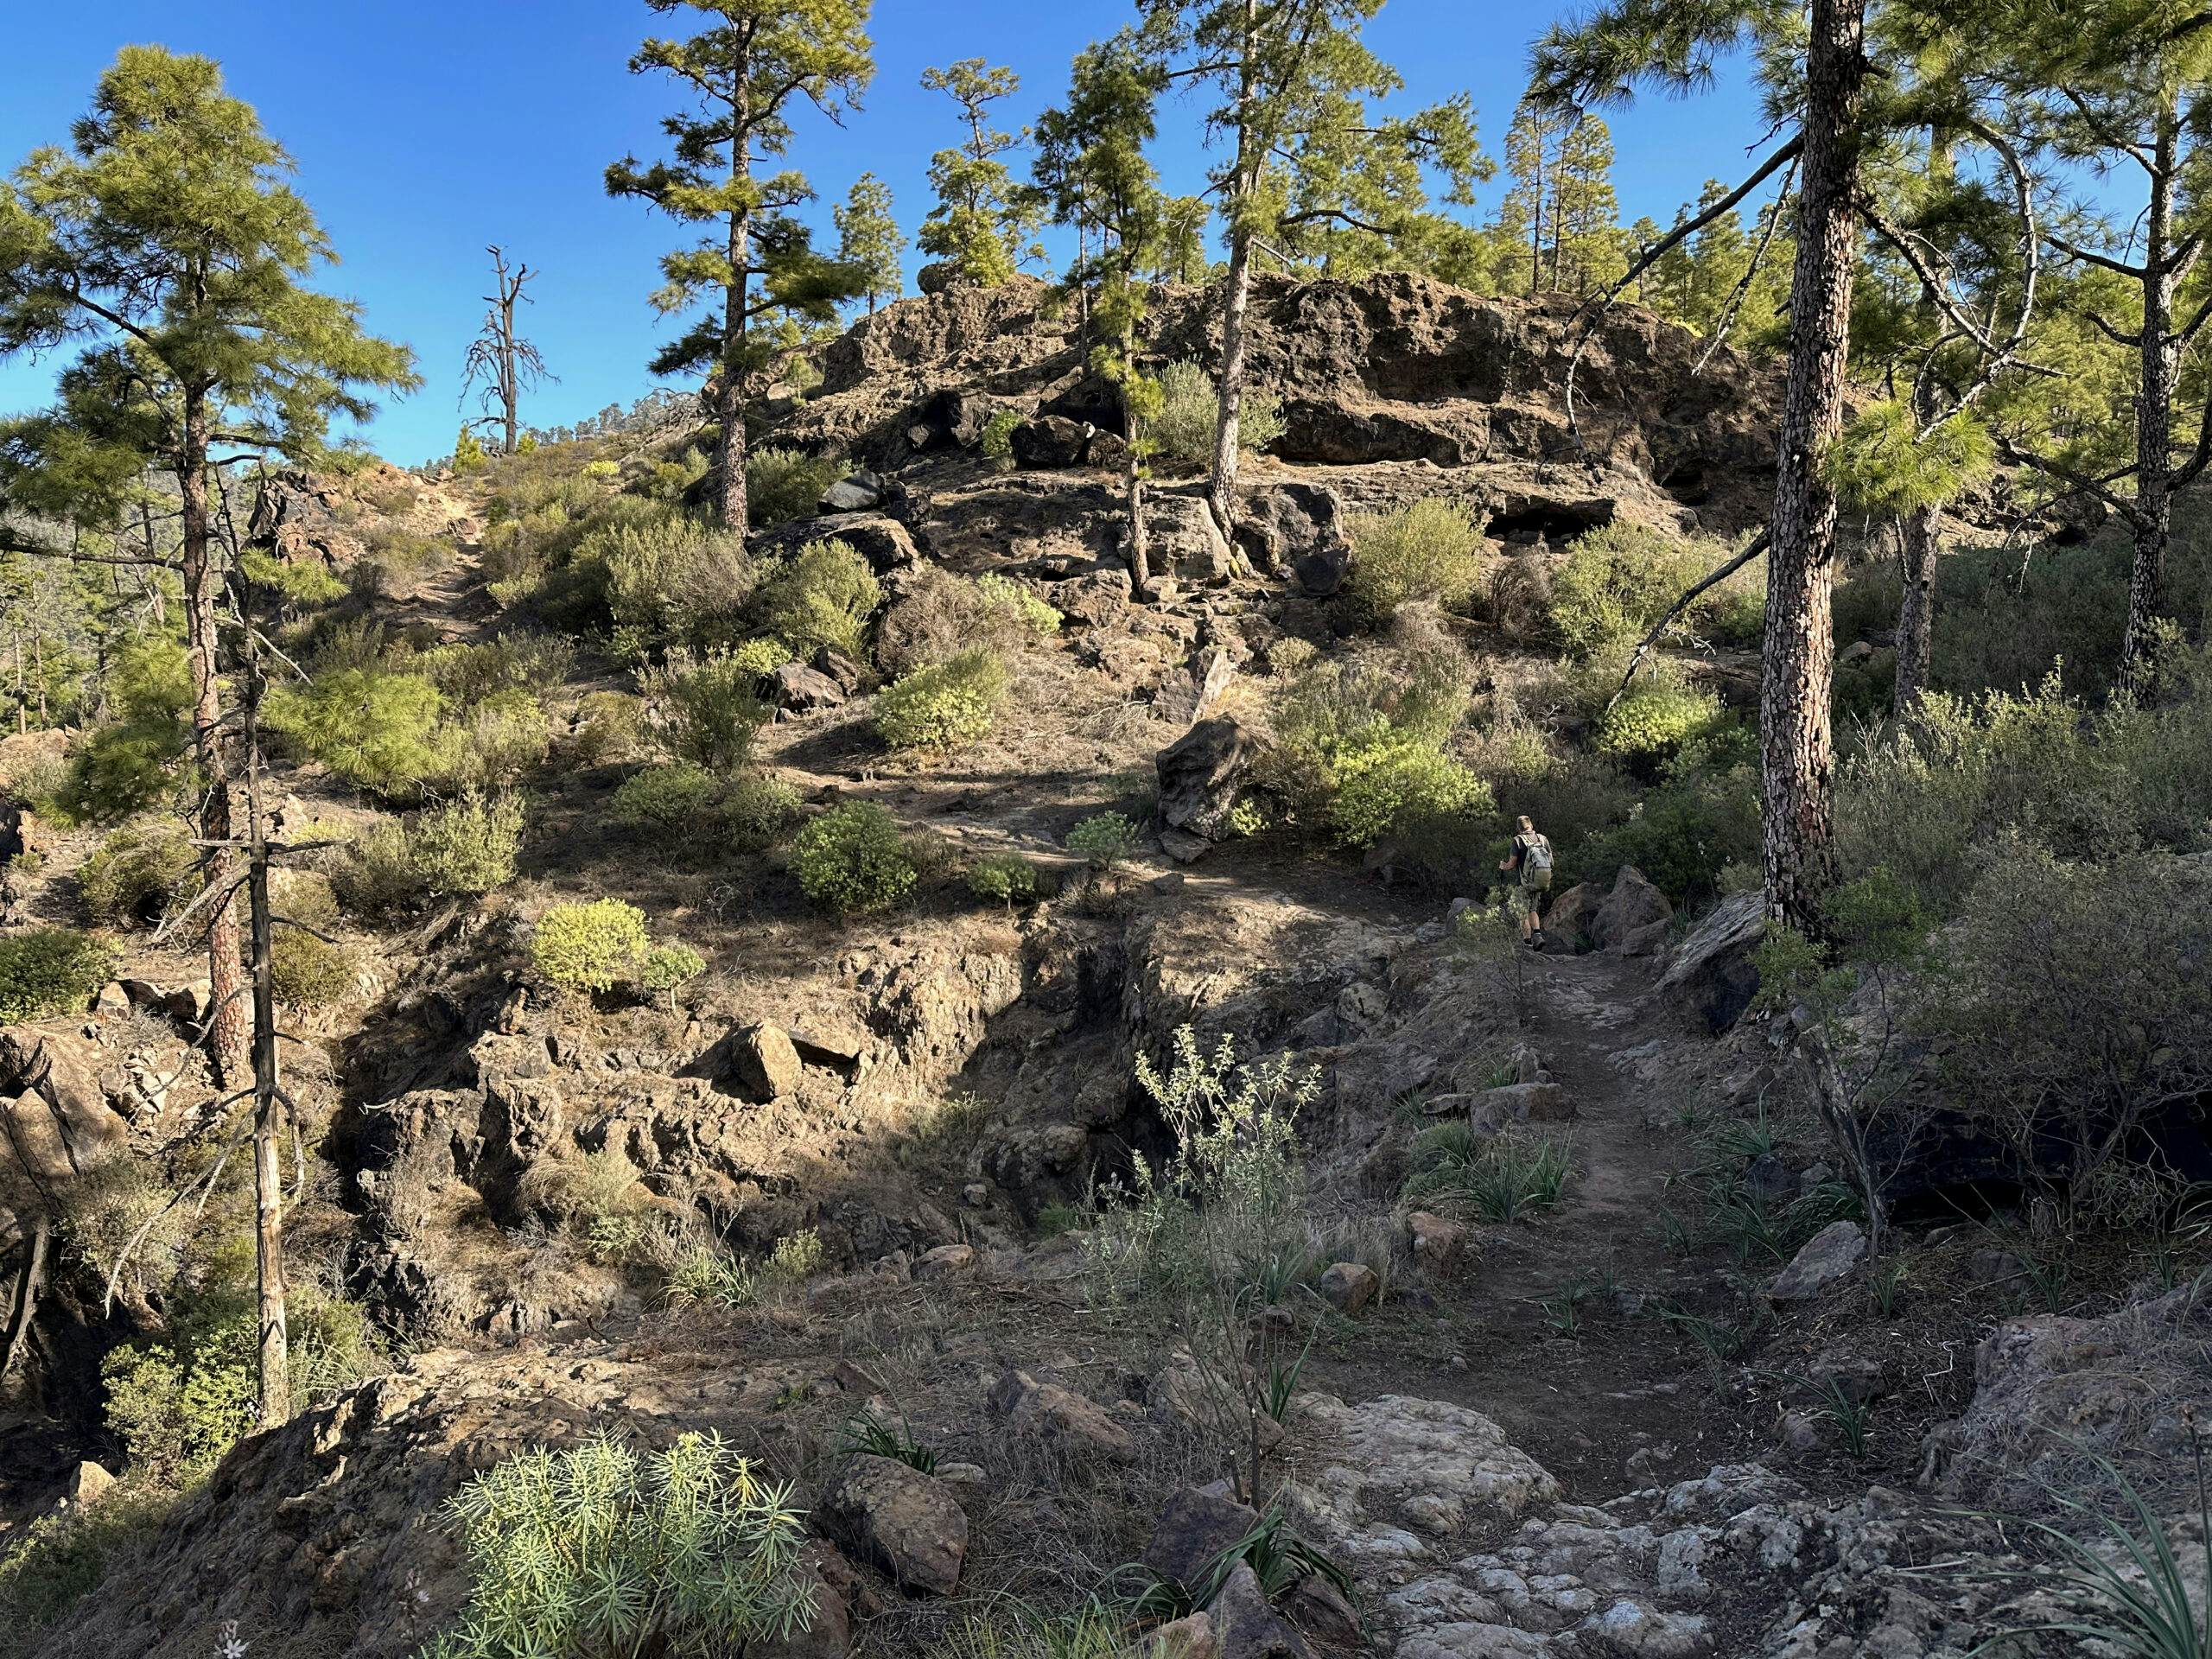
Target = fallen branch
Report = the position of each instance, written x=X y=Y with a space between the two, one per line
x=1751 y=550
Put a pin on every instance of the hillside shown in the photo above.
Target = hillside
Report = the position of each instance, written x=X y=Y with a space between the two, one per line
x=1550 y=1324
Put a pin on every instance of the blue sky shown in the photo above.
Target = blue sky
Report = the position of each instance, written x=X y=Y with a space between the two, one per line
x=423 y=132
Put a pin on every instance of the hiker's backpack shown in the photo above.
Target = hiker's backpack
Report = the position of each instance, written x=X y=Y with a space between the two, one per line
x=1536 y=862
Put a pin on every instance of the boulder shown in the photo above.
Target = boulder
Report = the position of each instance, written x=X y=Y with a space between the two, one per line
x=1711 y=973
x=829 y=1634
x=901 y=1520
x=1198 y=1524
x=1319 y=1608
x=1247 y=1627
x=946 y=1262
x=1201 y=774
x=1437 y=1241
x=799 y=689
x=1188 y=1638
x=88 y=1484
x=1567 y=918
x=884 y=542
x=1502 y=1108
x=1633 y=905
x=1078 y=1428
x=842 y=672
x=768 y=1066
x=859 y=492
x=1192 y=693
x=1186 y=544
x=1298 y=530
x=1829 y=1258
x=1052 y=440
x=57 y=1123
x=1350 y=1287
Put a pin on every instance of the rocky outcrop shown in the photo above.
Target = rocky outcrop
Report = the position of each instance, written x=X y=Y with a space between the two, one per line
x=1201 y=776
x=898 y=1519
x=1712 y=974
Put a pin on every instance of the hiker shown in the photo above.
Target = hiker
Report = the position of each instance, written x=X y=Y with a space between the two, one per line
x=1532 y=857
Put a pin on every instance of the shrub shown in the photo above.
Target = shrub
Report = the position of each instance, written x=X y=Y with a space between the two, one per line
x=944 y=706
x=590 y=946
x=607 y=727
x=58 y=1559
x=703 y=708
x=1683 y=835
x=177 y=1413
x=46 y=970
x=504 y=737
x=1005 y=876
x=466 y=847
x=138 y=872
x=125 y=767
x=1650 y=721
x=759 y=812
x=1501 y=1178
x=522 y=660
x=308 y=972
x=673 y=797
x=1431 y=550
x=672 y=577
x=369 y=726
x=1190 y=409
x=1395 y=784
x=1103 y=840
x=668 y=968
x=781 y=484
x=823 y=595
x=852 y=860
x=1013 y=606
x=998 y=436
x=1620 y=578
x=595 y=1551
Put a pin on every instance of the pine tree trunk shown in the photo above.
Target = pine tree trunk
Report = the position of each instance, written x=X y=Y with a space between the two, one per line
x=1140 y=535
x=2158 y=361
x=729 y=403
x=1797 y=673
x=1237 y=294
x=231 y=1022
x=275 y=1403
x=1919 y=543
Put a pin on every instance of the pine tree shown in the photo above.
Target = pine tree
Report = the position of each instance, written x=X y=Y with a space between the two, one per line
x=167 y=241
x=1309 y=159
x=1587 y=250
x=1674 y=44
x=499 y=356
x=868 y=240
x=1090 y=164
x=755 y=264
x=1532 y=160
x=982 y=224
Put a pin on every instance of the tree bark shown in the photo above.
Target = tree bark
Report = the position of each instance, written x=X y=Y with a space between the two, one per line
x=231 y=1021
x=1797 y=671
x=733 y=508
x=1236 y=292
x=1919 y=545
x=2158 y=358
x=275 y=1403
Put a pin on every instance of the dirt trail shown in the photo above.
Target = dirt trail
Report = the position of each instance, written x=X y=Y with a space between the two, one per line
x=1556 y=1332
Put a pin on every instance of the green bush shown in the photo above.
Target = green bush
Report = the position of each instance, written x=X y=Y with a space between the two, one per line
x=308 y=972
x=46 y=971
x=1432 y=550
x=589 y=946
x=1011 y=606
x=1007 y=877
x=998 y=436
x=1683 y=835
x=759 y=812
x=852 y=860
x=945 y=705
x=58 y=1559
x=1620 y=578
x=1103 y=840
x=670 y=797
x=127 y=766
x=1397 y=783
x=138 y=873
x=704 y=709
x=371 y=727
x=781 y=484
x=1184 y=428
x=1652 y=720
x=466 y=847
x=176 y=1412
x=595 y=1551
x=668 y=968
x=672 y=578
x=500 y=742
x=522 y=660
x=822 y=595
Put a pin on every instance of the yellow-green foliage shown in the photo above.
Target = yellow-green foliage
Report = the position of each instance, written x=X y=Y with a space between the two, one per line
x=668 y=968
x=466 y=847
x=308 y=972
x=138 y=873
x=59 y=1559
x=1394 y=782
x=177 y=1412
x=1006 y=876
x=998 y=434
x=823 y=595
x=945 y=705
x=759 y=812
x=126 y=766
x=592 y=947
x=703 y=708
x=670 y=577
x=1011 y=606
x=1188 y=419
x=46 y=970
x=498 y=743
x=852 y=860
x=1880 y=463
x=760 y=657
x=781 y=484
x=1619 y=579
x=1432 y=550
x=301 y=582
x=608 y=726
x=670 y=797
x=371 y=727
x=1652 y=720
x=1103 y=840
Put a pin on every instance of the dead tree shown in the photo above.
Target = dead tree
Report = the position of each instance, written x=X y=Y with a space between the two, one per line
x=499 y=359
